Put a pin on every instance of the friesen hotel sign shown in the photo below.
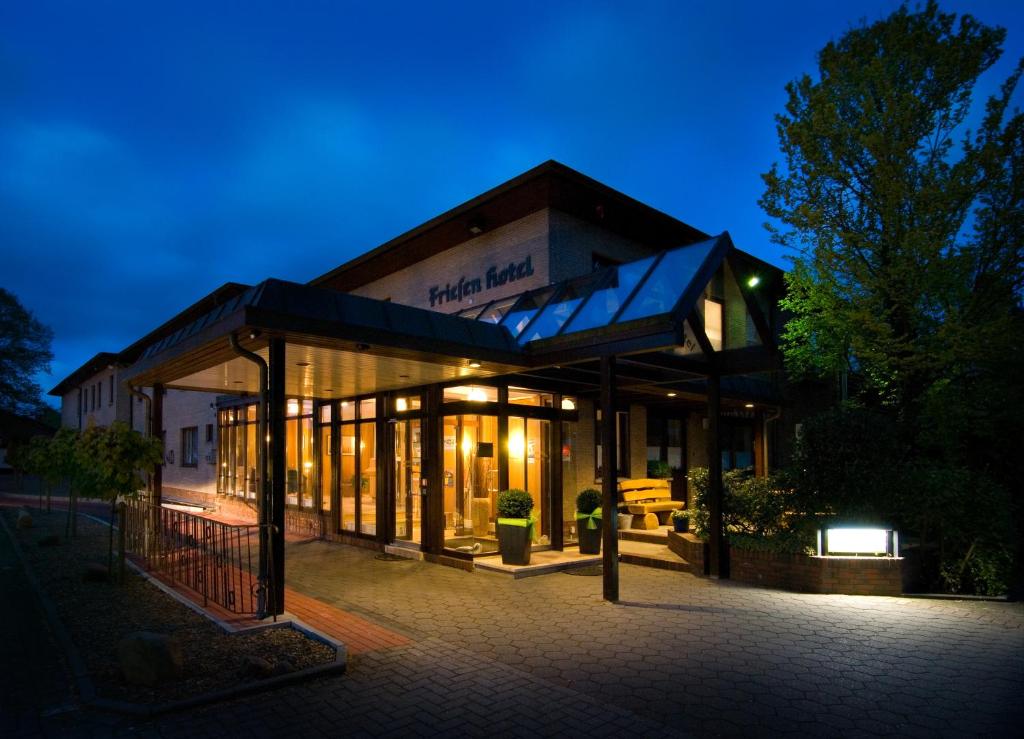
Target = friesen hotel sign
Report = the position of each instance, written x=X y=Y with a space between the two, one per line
x=456 y=292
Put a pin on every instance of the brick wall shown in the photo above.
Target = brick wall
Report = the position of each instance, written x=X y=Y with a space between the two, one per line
x=574 y=243
x=512 y=243
x=798 y=572
x=849 y=575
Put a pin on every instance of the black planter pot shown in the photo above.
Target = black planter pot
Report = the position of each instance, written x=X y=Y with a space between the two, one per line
x=514 y=544
x=681 y=525
x=590 y=539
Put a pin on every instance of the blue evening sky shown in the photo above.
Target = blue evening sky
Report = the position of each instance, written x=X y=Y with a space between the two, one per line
x=151 y=152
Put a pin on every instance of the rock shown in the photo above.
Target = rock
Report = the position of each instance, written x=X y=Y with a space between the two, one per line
x=50 y=540
x=95 y=572
x=253 y=666
x=24 y=519
x=149 y=659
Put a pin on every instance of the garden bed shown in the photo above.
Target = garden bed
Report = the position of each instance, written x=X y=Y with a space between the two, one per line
x=97 y=615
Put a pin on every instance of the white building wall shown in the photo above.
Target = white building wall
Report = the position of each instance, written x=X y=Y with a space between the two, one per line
x=183 y=409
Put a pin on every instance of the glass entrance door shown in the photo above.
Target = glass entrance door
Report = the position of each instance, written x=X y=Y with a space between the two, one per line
x=408 y=519
x=529 y=468
x=470 y=483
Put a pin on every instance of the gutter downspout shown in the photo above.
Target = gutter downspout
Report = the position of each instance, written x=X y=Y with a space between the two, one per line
x=147 y=428
x=264 y=498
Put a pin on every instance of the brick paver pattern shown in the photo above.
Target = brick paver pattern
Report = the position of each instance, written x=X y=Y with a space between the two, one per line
x=491 y=656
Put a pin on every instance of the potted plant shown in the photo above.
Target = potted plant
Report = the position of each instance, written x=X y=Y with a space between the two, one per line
x=681 y=520
x=588 y=521
x=658 y=470
x=515 y=526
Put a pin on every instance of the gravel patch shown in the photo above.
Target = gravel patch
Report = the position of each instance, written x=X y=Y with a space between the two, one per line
x=98 y=615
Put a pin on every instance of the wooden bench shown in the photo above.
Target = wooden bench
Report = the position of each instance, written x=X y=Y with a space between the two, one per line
x=650 y=502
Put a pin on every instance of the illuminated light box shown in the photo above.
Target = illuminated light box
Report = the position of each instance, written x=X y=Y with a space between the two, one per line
x=849 y=541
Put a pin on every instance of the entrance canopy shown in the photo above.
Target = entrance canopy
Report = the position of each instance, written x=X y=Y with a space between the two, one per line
x=667 y=313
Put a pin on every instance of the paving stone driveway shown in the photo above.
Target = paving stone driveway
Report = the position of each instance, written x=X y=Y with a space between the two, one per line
x=492 y=656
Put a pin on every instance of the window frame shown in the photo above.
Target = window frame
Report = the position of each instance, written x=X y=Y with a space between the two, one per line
x=188 y=460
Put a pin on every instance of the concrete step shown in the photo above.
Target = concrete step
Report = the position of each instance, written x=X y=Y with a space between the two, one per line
x=652 y=536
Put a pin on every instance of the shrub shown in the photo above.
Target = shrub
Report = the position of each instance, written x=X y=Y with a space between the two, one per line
x=681 y=513
x=658 y=470
x=588 y=501
x=514 y=503
x=760 y=506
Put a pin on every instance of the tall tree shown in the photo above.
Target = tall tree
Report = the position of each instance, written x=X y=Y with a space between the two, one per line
x=909 y=241
x=908 y=234
x=24 y=351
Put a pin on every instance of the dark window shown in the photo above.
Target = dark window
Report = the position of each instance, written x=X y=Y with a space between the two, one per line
x=737 y=444
x=92 y=405
x=111 y=401
x=190 y=446
x=209 y=432
x=621 y=445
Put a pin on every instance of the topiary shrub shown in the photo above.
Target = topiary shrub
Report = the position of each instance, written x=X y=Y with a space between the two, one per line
x=588 y=501
x=514 y=503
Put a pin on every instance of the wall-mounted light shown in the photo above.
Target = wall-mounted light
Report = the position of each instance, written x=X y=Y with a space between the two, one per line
x=516 y=445
x=754 y=281
x=476 y=227
x=568 y=404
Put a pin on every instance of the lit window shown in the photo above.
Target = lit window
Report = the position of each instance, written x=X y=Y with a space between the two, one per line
x=713 y=323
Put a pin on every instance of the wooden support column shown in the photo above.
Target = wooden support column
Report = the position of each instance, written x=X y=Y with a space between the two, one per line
x=158 y=430
x=609 y=481
x=276 y=448
x=718 y=554
x=432 y=464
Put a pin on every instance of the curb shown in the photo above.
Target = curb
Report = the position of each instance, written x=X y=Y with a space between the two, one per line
x=87 y=689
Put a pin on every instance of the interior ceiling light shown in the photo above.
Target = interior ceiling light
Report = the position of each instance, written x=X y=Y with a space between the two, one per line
x=474 y=365
x=671 y=395
x=749 y=405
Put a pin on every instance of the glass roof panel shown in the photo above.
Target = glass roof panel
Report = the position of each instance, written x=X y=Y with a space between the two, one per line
x=518 y=318
x=472 y=311
x=560 y=308
x=497 y=309
x=666 y=283
x=604 y=303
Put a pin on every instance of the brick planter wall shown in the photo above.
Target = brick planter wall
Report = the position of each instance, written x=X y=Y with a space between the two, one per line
x=847 y=575
x=690 y=548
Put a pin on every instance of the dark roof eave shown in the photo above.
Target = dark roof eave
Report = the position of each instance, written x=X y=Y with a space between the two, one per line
x=96 y=364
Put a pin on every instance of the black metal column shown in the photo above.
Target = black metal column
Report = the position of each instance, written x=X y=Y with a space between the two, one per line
x=718 y=555
x=609 y=482
x=275 y=510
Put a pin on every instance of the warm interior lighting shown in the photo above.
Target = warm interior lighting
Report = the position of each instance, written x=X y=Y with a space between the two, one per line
x=713 y=323
x=293 y=407
x=516 y=445
x=568 y=404
x=474 y=365
x=467 y=444
x=307 y=465
x=754 y=281
x=671 y=395
x=477 y=394
x=401 y=405
x=748 y=405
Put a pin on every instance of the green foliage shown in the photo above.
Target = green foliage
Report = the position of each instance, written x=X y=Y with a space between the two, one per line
x=658 y=470
x=759 y=506
x=891 y=281
x=24 y=352
x=588 y=501
x=800 y=541
x=514 y=503
x=908 y=275
x=114 y=458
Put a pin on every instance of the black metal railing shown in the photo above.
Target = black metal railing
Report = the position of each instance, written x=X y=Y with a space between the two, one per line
x=214 y=559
